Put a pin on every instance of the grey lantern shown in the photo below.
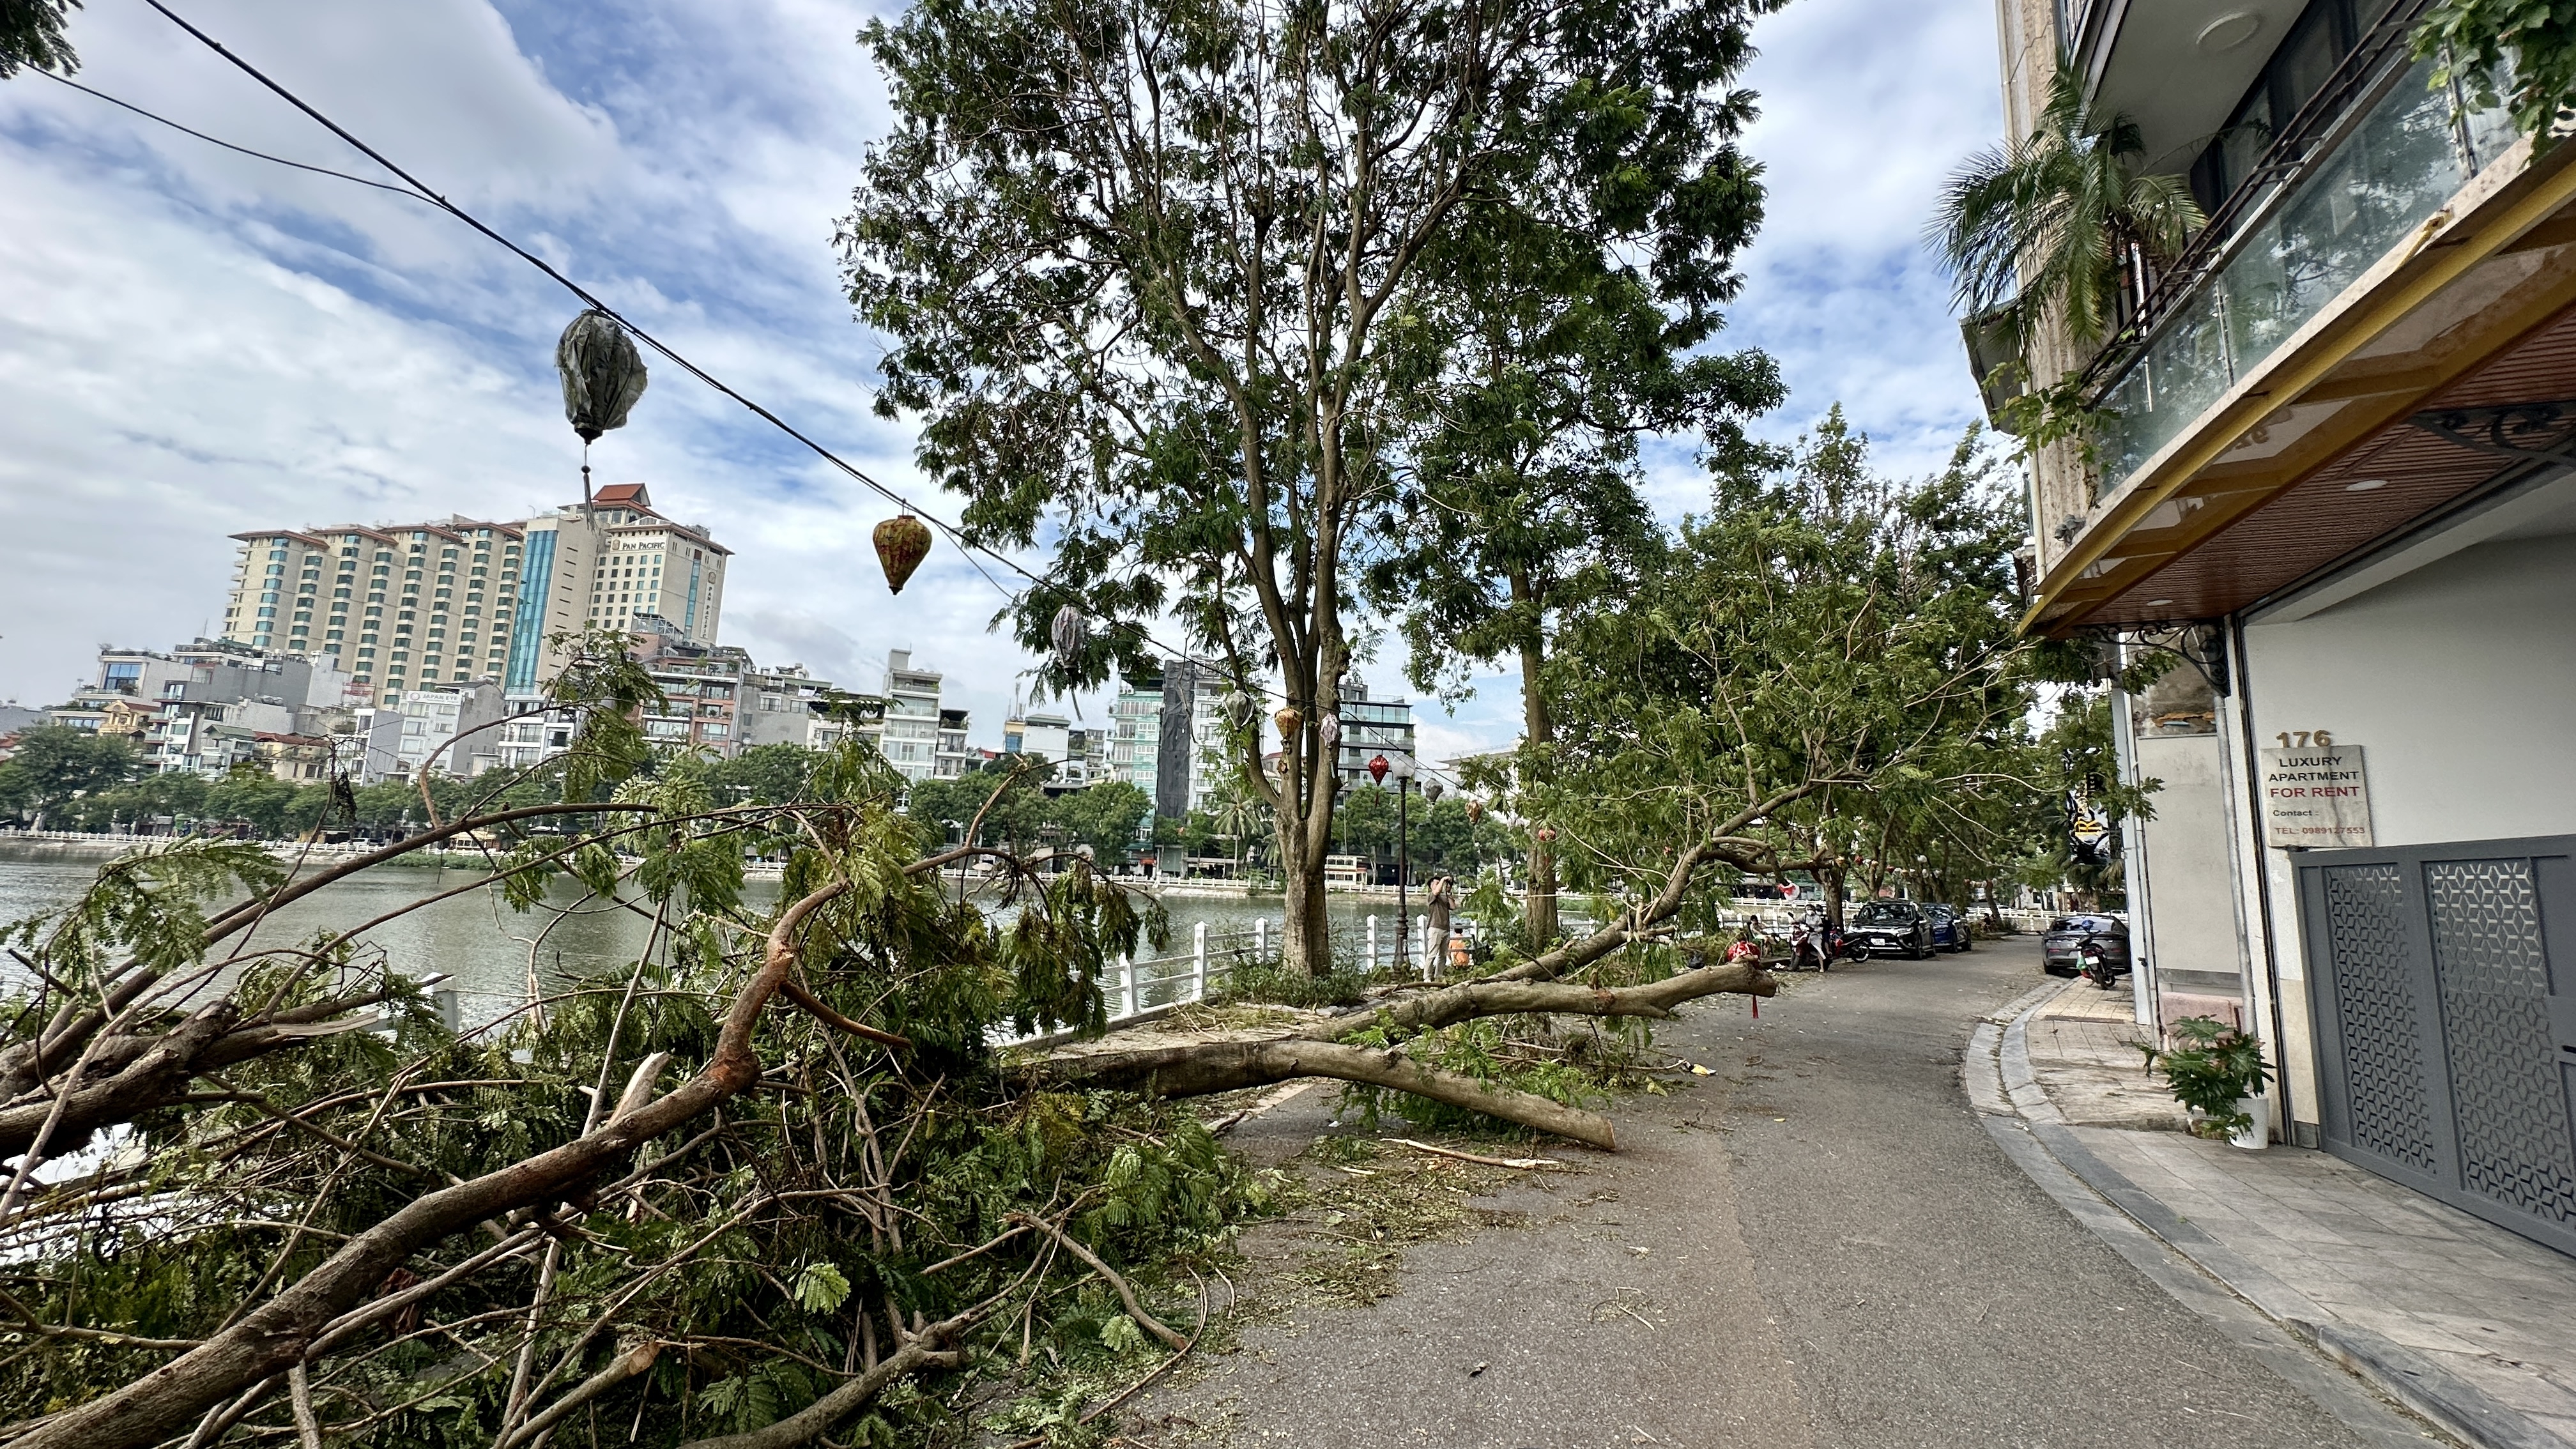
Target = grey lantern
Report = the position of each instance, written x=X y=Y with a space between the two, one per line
x=603 y=374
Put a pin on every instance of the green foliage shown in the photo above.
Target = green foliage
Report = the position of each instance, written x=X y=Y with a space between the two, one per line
x=1831 y=651
x=1145 y=307
x=55 y=764
x=2532 y=41
x=31 y=33
x=758 y=1241
x=2037 y=229
x=612 y=693
x=1270 y=983
x=2216 y=1067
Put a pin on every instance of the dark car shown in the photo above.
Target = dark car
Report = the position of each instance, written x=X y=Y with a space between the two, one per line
x=1889 y=928
x=1949 y=927
x=2060 y=950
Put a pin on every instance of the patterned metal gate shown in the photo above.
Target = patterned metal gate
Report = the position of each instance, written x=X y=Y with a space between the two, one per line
x=2444 y=982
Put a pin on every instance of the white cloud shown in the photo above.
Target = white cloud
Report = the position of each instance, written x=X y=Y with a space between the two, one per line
x=194 y=343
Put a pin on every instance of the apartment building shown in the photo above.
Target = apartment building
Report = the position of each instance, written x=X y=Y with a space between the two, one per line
x=909 y=736
x=206 y=707
x=455 y=728
x=777 y=705
x=1370 y=728
x=1134 y=747
x=401 y=606
x=2334 y=491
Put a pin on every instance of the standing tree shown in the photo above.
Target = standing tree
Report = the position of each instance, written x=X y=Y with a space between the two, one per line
x=54 y=765
x=1525 y=429
x=1828 y=651
x=1155 y=274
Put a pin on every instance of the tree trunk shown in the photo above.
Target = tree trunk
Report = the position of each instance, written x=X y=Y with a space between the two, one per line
x=1305 y=937
x=1831 y=878
x=1539 y=914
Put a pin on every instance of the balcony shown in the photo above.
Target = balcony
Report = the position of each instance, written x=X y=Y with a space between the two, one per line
x=2339 y=192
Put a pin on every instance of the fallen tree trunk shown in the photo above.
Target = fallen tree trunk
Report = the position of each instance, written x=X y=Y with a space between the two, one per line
x=1500 y=996
x=130 y=1075
x=1196 y=1069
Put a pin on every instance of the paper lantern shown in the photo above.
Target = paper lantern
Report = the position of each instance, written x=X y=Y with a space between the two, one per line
x=1432 y=791
x=1067 y=632
x=603 y=374
x=903 y=541
x=1377 y=768
x=1475 y=811
x=1545 y=833
x=1330 y=730
x=1289 y=721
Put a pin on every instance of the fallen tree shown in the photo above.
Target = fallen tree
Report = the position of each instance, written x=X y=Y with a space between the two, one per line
x=764 y=1177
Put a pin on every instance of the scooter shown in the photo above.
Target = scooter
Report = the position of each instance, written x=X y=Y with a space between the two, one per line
x=1815 y=944
x=2096 y=966
x=1807 y=950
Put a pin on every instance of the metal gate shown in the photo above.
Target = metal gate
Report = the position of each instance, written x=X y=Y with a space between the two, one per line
x=2444 y=982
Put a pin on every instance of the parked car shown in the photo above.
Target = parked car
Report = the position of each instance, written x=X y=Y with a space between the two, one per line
x=1950 y=928
x=2061 y=948
x=1890 y=928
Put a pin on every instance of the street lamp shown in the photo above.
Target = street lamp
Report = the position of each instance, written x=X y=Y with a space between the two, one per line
x=1403 y=768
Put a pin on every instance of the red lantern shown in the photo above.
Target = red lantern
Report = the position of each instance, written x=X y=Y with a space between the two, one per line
x=1546 y=833
x=902 y=543
x=1378 y=768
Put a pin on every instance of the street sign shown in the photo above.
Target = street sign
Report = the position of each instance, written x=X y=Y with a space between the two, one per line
x=2317 y=797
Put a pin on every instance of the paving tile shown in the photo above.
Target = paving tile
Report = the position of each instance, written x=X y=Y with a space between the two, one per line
x=2494 y=1308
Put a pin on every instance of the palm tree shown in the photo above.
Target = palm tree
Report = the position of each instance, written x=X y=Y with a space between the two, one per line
x=2049 y=224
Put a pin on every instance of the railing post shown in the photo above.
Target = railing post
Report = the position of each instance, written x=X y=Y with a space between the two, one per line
x=1126 y=987
x=1371 y=963
x=1260 y=938
x=1198 y=962
x=1422 y=943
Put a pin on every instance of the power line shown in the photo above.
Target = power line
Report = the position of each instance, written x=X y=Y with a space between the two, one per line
x=400 y=191
x=417 y=188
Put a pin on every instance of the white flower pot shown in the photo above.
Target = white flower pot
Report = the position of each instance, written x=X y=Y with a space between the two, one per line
x=2258 y=1133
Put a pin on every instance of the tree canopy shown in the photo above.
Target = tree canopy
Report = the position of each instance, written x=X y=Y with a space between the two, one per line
x=1155 y=276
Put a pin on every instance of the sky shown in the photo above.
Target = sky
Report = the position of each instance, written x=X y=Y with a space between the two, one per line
x=194 y=343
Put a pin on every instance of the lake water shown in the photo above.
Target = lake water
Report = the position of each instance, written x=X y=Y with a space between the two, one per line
x=487 y=948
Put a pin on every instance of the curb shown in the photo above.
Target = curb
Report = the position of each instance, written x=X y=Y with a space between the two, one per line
x=2012 y=1098
x=2468 y=1412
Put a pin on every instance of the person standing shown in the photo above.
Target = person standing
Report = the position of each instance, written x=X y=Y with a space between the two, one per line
x=1442 y=888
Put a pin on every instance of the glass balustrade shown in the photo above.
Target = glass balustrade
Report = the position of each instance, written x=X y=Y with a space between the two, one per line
x=2368 y=195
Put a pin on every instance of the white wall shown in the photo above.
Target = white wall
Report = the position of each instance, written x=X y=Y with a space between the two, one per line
x=2458 y=681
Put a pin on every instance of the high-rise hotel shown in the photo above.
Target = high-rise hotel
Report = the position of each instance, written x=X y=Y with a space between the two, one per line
x=404 y=606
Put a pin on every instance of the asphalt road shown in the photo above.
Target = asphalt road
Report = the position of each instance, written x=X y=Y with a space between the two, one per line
x=1817 y=1246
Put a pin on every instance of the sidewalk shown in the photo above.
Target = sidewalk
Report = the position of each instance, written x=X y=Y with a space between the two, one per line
x=2463 y=1322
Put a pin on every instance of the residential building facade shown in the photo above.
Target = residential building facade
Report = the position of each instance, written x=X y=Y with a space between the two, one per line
x=1370 y=728
x=1135 y=732
x=2335 y=494
x=400 y=606
x=909 y=735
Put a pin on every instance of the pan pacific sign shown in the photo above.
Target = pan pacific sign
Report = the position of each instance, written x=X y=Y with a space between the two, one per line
x=2316 y=797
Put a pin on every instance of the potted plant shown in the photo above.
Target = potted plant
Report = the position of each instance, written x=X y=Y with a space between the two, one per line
x=2218 y=1072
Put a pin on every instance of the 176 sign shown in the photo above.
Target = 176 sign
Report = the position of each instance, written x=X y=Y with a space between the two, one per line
x=2315 y=794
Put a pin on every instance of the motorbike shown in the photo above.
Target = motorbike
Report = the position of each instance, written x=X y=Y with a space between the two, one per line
x=1815 y=943
x=2095 y=964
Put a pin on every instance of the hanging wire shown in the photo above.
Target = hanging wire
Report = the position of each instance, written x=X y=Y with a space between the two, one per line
x=421 y=191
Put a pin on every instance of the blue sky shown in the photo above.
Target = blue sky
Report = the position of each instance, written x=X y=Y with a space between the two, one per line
x=194 y=343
